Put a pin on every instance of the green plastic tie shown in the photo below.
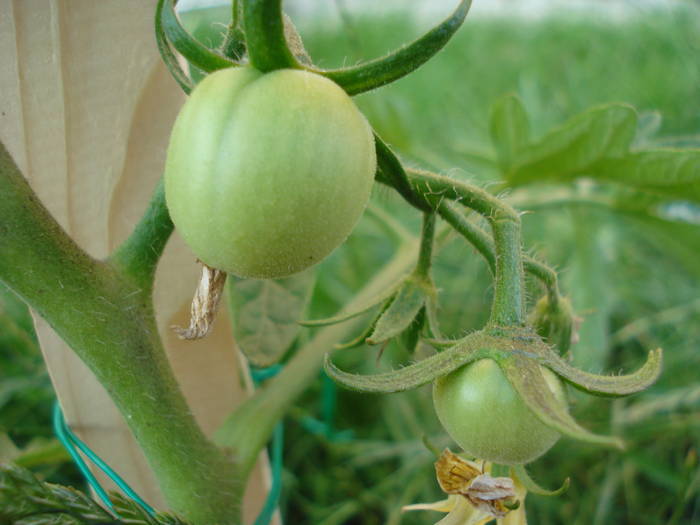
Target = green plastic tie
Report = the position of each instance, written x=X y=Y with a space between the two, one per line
x=70 y=441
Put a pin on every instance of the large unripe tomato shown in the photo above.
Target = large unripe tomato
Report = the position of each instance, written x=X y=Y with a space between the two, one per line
x=267 y=174
x=485 y=416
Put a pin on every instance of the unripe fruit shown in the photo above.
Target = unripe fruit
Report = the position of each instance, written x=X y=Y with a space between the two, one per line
x=267 y=174
x=487 y=418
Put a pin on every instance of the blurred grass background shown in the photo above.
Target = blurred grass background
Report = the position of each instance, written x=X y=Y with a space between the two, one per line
x=632 y=276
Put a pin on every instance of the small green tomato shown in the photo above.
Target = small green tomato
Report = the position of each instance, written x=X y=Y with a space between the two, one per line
x=487 y=418
x=267 y=174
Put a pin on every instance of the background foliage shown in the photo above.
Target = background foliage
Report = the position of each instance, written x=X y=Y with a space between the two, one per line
x=633 y=275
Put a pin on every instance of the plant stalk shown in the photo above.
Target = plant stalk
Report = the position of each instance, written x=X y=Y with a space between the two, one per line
x=109 y=323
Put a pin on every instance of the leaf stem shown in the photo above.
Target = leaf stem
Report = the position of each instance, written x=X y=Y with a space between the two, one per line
x=138 y=255
x=427 y=240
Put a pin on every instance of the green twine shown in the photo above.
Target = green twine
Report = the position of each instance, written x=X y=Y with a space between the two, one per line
x=328 y=407
x=70 y=441
x=268 y=510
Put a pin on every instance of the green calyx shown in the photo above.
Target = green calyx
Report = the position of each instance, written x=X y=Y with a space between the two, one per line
x=521 y=355
x=271 y=42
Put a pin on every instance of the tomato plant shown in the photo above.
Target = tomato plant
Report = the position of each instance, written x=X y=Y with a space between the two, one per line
x=484 y=415
x=269 y=167
x=267 y=173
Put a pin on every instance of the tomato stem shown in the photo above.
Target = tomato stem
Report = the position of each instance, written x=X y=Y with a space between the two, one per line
x=508 y=298
x=265 y=38
x=427 y=241
x=109 y=322
x=483 y=243
x=138 y=255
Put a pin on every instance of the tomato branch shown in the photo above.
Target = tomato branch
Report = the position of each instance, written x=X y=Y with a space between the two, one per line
x=427 y=240
x=109 y=324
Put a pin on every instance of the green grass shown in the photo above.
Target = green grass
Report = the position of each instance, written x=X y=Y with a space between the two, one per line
x=633 y=268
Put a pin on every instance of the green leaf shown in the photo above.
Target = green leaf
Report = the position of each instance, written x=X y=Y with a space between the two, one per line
x=412 y=376
x=510 y=129
x=532 y=486
x=39 y=451
x=399 y=63
x=574 y=148
x=194 y=52
x=401 y=313
x=24 y=500
x=371 y=303
x=665 y=172
x=648 y=125
x=8 y=450
x=265 y=314
x=525 y=375
x=362 y=338
x=408 y=339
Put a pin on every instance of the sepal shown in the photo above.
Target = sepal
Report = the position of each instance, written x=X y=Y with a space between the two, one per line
x=381 y=71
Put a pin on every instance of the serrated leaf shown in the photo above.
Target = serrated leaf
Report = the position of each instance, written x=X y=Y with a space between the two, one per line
x=265 y=312
x=24 y=500
x=666 y=172
x=510 y=129
x=572 y=149
x=401 y=313
x=409 y=377
x=526 y=377
x=131 y=512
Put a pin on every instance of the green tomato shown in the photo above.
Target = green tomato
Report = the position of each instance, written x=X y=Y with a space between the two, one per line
x=487 y=418
x=267 y=174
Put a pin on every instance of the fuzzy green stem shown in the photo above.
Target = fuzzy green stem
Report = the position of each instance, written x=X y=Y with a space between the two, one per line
x=109 y=323
x=249 y=428
x=264 y=31
x=138 y=255
x=508 y=298
x=484 y=245
x=427 y=240
x=507 y=309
